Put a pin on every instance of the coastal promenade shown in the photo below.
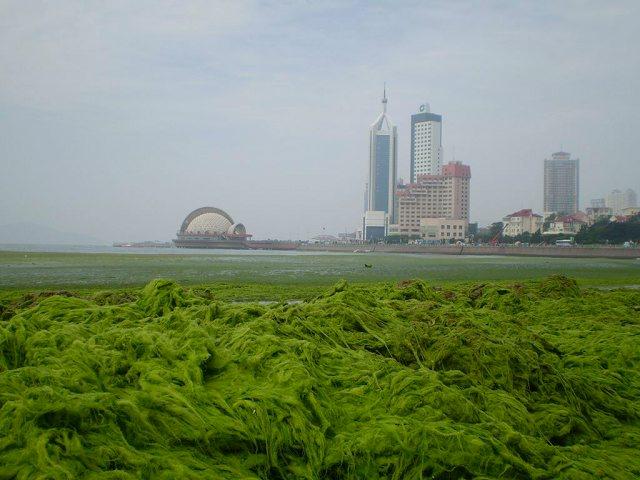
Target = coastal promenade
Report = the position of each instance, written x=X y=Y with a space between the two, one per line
x=507 y=250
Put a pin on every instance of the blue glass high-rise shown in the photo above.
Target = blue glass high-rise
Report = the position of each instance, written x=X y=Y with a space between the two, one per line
x=383 y=160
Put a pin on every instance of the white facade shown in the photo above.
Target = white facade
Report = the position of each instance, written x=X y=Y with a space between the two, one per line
x=443 y=229
x=568 y=224
x=375 y=225
x=617 y=201
x=426 y=143
x=210 y=222
x=562 y=228
x=523 y=221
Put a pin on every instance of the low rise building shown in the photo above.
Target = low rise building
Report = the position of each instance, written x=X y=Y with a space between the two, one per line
x=443 y=229
x=567 y=224
x=393 y=229
x=325 y=239
x=595 y=214
x=375 y=225
x=522 y=221
x=348 y=237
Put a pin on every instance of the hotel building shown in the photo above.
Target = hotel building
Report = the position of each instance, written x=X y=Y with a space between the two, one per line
x=444 y=196
x=426 y=143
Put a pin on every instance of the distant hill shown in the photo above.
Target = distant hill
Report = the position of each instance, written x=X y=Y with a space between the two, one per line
x=32 y=233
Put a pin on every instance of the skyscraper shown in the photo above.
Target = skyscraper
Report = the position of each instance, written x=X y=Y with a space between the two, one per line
x=617 y=201
x=383 y=159
x=426 y=143
x=561 y=184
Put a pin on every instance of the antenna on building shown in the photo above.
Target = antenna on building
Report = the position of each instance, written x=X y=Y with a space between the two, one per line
x=384 y=97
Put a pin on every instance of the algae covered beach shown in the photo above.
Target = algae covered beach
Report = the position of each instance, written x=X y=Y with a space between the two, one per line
x=259 y=273
x=410 y=379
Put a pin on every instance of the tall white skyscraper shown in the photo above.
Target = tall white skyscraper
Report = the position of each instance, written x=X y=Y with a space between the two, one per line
x=426 y=143
x=383 y=160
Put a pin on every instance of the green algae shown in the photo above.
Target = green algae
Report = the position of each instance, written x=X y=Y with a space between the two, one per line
x=290 y=275
x=532 y=380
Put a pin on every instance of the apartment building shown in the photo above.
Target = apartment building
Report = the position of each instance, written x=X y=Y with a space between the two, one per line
x=561 y=184
x=444 y=196
x=522 y=221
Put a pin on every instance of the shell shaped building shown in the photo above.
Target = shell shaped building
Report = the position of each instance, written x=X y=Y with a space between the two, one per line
x=210 y=227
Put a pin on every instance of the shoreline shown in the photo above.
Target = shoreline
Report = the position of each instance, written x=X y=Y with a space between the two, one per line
x=506 y=251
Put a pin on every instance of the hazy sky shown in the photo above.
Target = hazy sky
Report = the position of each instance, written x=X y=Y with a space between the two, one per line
x=118 y=118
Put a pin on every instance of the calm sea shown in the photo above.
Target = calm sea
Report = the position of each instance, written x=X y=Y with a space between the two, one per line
x=11 y=247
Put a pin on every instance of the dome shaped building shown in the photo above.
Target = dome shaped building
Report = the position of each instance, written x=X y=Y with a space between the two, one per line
x=210 y=227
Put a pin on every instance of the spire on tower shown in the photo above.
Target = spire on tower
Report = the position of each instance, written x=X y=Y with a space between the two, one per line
x=384 y=98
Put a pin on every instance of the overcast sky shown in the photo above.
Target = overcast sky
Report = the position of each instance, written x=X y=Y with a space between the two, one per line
x=118 y=118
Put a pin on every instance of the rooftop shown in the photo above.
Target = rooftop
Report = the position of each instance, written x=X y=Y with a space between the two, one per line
x=525 y=212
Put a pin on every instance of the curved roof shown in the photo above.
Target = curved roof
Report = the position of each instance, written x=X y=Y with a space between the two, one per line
x=237 y=229
x=209 y=220
x=382 y=124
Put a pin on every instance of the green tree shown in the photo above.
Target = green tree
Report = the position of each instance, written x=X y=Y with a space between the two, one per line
x=549 y=220
x=615 y=233
x=536 y=238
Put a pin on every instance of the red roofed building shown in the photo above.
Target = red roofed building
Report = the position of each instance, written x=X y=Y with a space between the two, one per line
x=619 y=218
x=568 y=224
x=522 y=221
x=444 y=196
x=456 y=169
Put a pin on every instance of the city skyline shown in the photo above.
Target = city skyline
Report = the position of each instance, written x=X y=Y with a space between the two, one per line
x=116 y=128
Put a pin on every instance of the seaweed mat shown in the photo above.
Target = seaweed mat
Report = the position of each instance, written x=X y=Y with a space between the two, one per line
x=533 y=380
